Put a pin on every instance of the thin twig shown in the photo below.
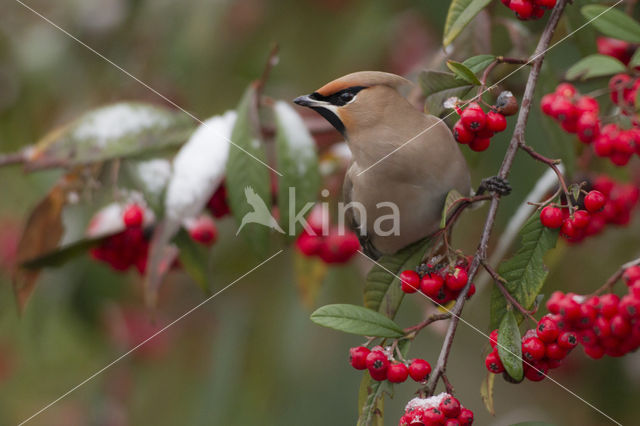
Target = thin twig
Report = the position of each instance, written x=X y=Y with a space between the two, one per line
x=553 y=164
x=616 y=276
x=411 y=332
x=499 y=282
x=505 y=168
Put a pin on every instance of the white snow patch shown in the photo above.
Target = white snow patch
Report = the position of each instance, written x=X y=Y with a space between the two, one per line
x=108 y=220
x=425 y=403
x=116 y=121
x=199 y=167
x=154 y=174
x=301 y=143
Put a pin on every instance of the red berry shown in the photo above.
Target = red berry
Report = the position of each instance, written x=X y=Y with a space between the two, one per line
x=620 y=326
x=603 y=145
x=462 y=134
x=410 y=281
x=308 y=244
x=433 y=416
x=397 y=372
x=587 y=104
x=452 y=422
x=629 y=306
x=563 y=110
x=570 y=230
x=602 y=327
x=133 y=216
x=581 y=219
x=431 y=285
x=549 y=4
x=523 y=8
x=496 y=122
x=493 y=363
x=586 y=316
x=618 y=85
x=203 y=230
x=377 y=364
x=466 y=417
x=547 y=330
x=567 y=340
x=458 y=279
x=358 y=357
x=450 y=406
x=594 y=201
x=419 y=370
x=472 y=291
x=618 y=49
x=546 y=103
x=595 y=351
x=493 y=338
x=631 y=275
x=480 y=144
x=551 y=217
x=555 y=351
x=624 y=143
x=533 y=349
x=588 y=127
x=566 y=90
x=587 y=338
x=609 y=304
x=536 y=371
x=473 y=118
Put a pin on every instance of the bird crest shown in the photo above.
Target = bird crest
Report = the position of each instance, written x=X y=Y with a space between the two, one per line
x=260 y=214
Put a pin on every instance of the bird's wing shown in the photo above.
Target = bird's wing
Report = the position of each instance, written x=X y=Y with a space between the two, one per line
x=367 y=246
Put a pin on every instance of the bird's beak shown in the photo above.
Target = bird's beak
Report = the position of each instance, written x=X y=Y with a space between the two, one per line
x=306 y=101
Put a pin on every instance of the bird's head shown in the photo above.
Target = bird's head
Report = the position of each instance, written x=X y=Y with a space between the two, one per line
x=355 y=99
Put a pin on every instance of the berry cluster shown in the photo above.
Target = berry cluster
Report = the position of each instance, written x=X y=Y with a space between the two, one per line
x=329 y=243
x=609 y=202
x=622 y=90
x=619 y=49
x=381 y=365
x=529 y=9
x=475 y=127
x=617 y=144
x=127 y=248
x=543 y=349
x=576 y=113
x=606 y=324
x=442 y=409
x=440 y=285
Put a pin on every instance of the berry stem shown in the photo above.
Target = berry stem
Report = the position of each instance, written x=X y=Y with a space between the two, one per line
x=497 y=61
x=518 y=136
x=447 y=384
x=553 y=164
x=608 y=285
x=499 y=282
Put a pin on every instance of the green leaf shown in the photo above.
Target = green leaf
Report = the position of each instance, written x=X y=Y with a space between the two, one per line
x=194 y=259
x=247 y=179
x=594 y=66
x=612 y=23
x=115 y=131
x=486 y=392
x=298 y=162
x=461 y=12
x=452 y=197
x=382 y=290
x=478 y=63
x=433 y=82
x=635 y=59
x=356 y=320
x=371 y=395
x=62 y=254
x=462 y=72
x=510 y=346
x=525 y=272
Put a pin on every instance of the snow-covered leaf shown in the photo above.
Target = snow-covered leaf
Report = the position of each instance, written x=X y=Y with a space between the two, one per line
x=151 y=177
x=298 y=162
x=114 y=131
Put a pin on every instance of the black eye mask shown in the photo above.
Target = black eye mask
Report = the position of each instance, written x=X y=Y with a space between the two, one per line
x=339 y=98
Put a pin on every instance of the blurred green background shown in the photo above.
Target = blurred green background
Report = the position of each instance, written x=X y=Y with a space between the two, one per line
x=251 y=355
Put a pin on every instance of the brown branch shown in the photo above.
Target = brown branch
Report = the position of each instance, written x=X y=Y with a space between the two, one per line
x=411 y=332
x=499 y=282
x=516 y=142
x=616 y=276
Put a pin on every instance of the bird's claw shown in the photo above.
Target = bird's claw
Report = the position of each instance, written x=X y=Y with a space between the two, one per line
x=495 y=184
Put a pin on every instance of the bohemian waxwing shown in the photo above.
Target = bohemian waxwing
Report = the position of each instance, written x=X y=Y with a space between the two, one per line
x=375 y=120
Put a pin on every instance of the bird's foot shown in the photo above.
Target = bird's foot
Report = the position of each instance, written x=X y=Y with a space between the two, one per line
x=494 y=184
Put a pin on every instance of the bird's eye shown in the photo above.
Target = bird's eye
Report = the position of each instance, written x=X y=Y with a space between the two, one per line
x=346 y=96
